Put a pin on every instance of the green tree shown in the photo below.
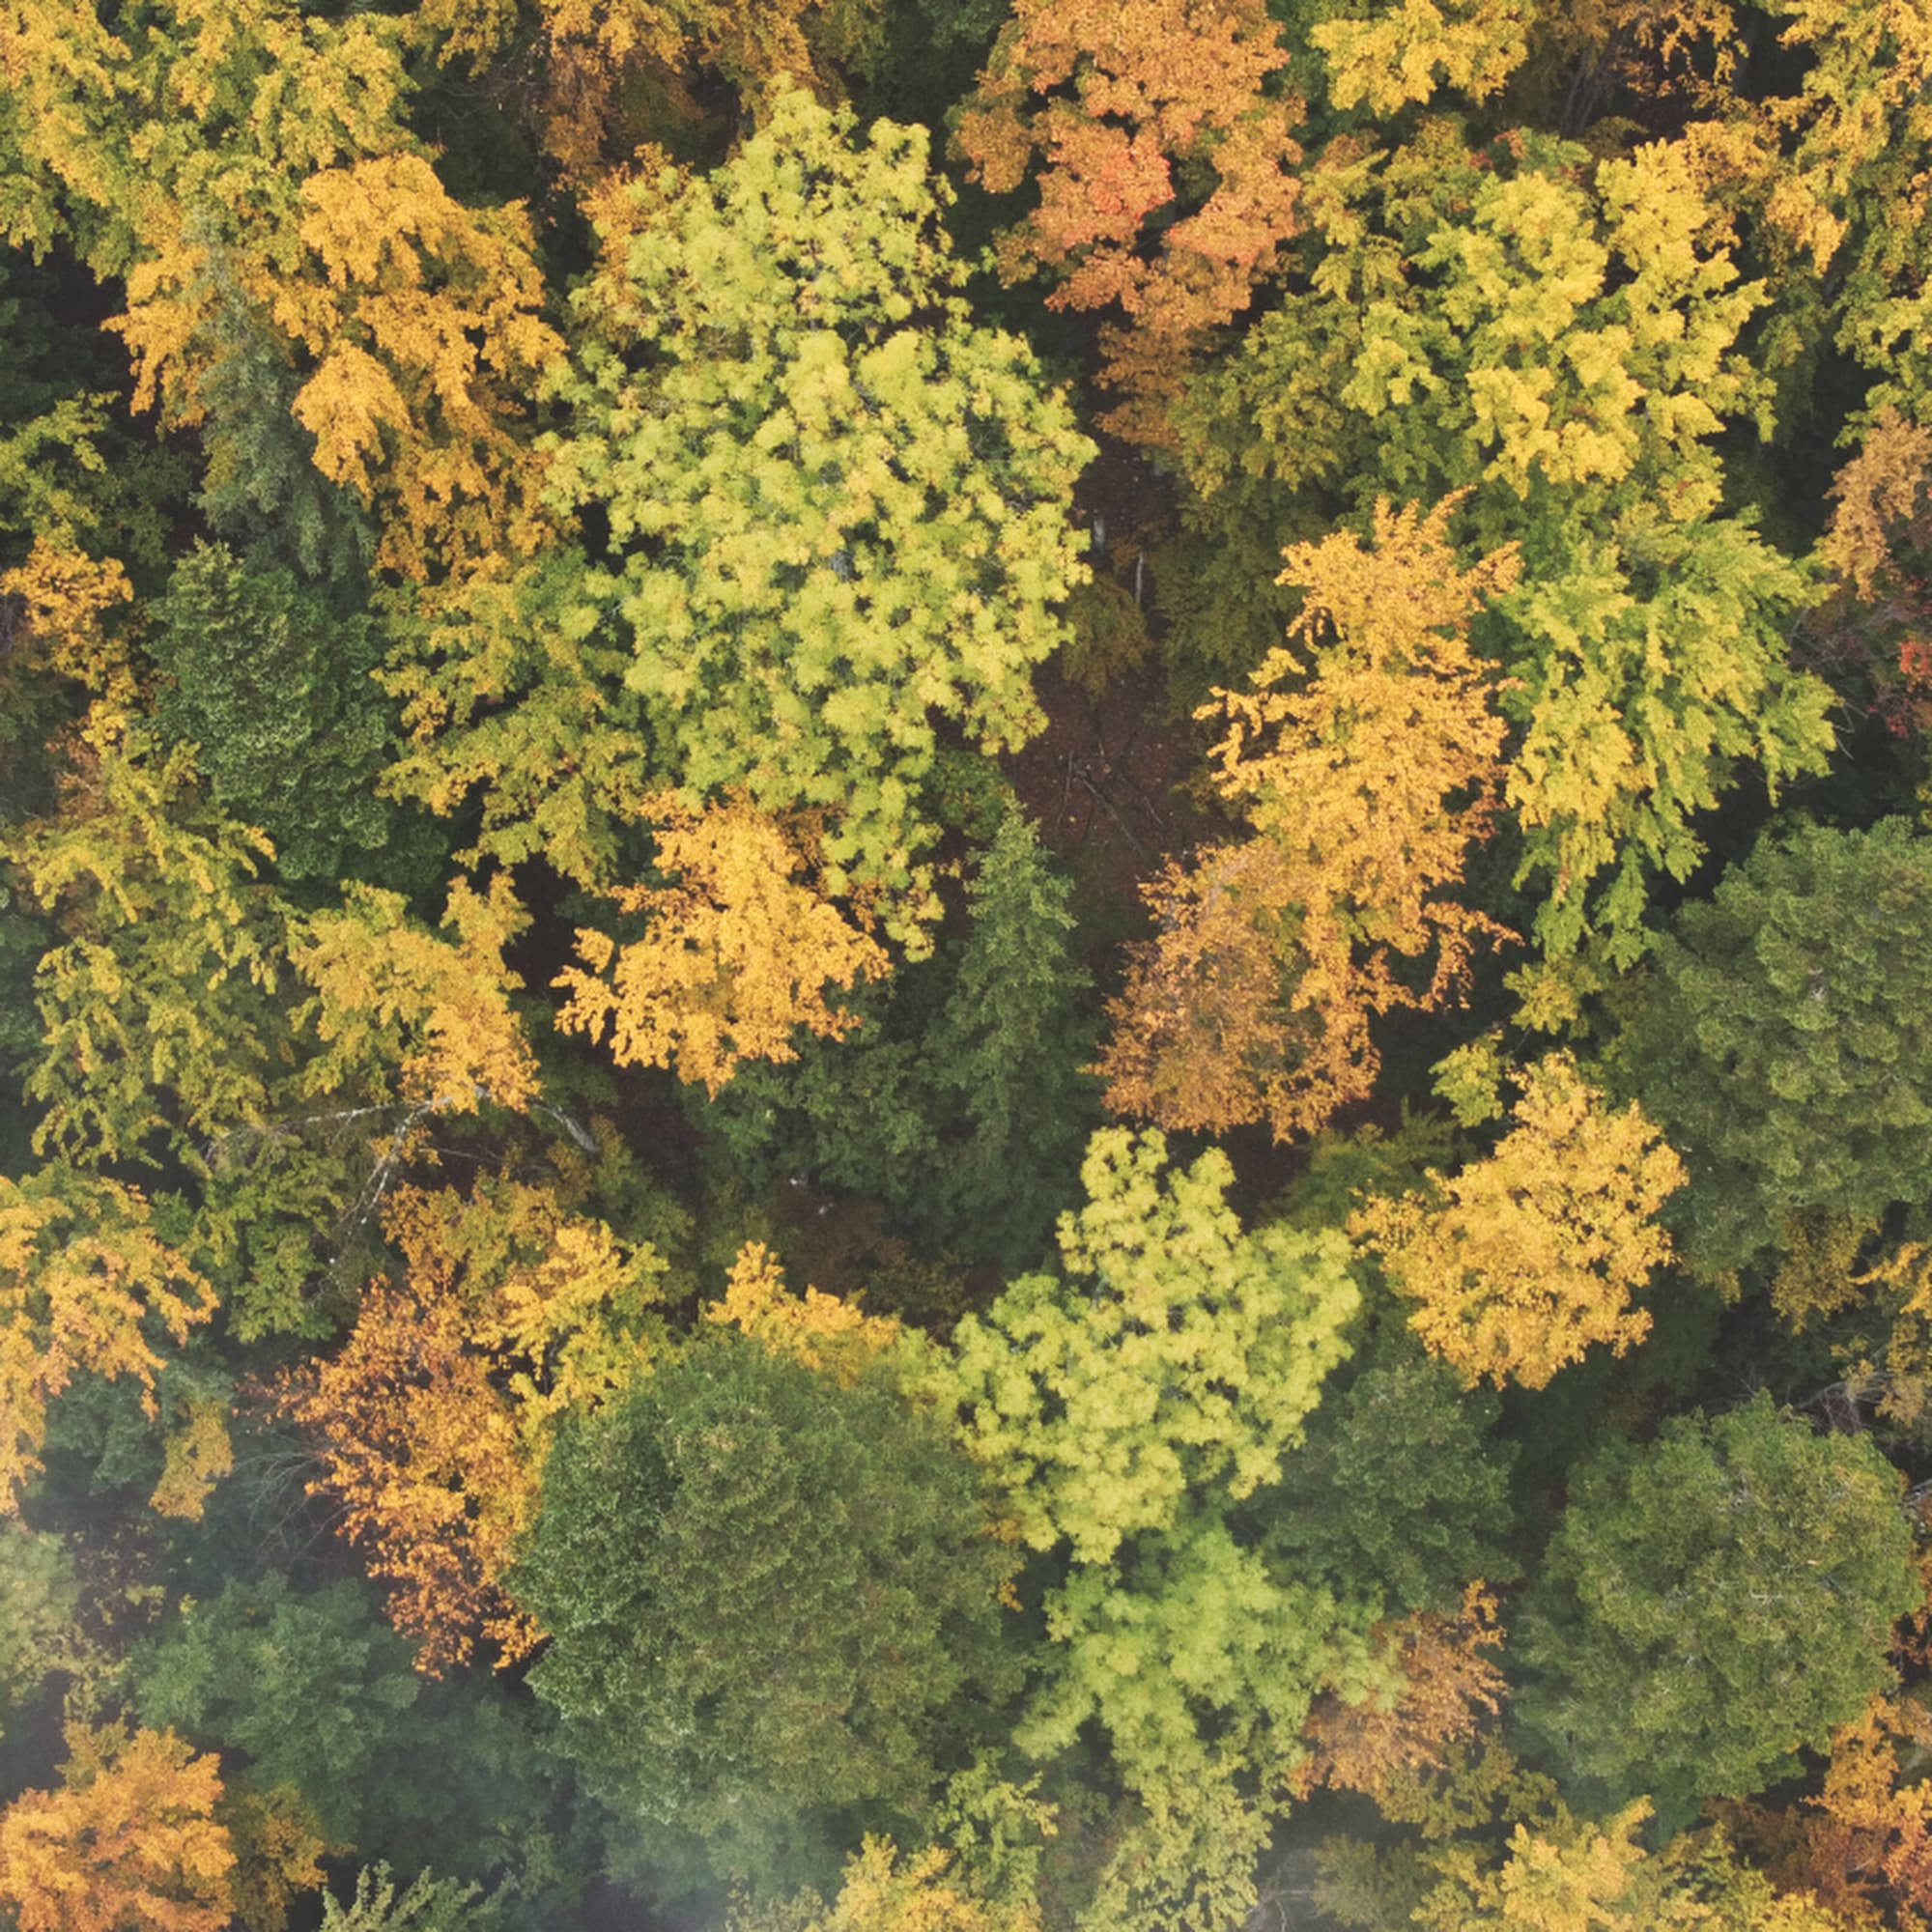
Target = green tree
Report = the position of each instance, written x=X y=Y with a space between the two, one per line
x=320 y=1695
x=1784 y=1038
x=426 y=1904
x=832 y=507
x=771 y=1599
x=960 y=1100
x=276 y=692
x=1128 y=1406
x=1400 y=1488
x=1710 y=1602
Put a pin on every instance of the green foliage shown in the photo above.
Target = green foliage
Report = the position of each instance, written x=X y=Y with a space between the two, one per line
x=1783 y=1036
x=425 y=1905
x=1175 y=1356
x=1126 y=1406
x=274 y=691
x=1399 y=1489
x=1712 y=1601
x=836 y=504
x=961 y=1100
x=40 y=1606
x=771 y=1599
x=319 y=1693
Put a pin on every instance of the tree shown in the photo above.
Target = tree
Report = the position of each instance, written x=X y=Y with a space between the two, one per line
x=885 y=1893
x=84 y=1278
x=272 y=218
x=1126 y=1408
x=1400 y=1492
x=274 y=691
x=1781 y=1040
x=1711 y=1602
x=743 y=1702
x=1532 y=1253
x=39 y=1608
x=958 y=1096
x=434 y=1418
x=1364 y=789
x=426 y=1904
x=737 y=955
x=1147 y=120
x=129 y=1844
x=1561 y=338
x=832 y=509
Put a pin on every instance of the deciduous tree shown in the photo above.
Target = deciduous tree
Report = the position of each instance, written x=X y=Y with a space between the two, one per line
x=1166 y=170
x=1365 y=788
x=129 y=1843
x=1532 y=1254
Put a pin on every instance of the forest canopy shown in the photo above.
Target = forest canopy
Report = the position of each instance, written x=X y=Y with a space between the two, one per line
x=962 y=965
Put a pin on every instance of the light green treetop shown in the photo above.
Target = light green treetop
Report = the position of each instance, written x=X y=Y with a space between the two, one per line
x=837 y=506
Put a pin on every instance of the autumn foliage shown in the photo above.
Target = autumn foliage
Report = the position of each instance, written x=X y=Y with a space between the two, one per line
x=1364 y=789
x=1150 y=119
x=1532 y=1254
x=129 y=1843
x=737 y=952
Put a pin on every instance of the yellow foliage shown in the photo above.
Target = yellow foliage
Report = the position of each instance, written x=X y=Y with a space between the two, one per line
x=66 y=597
x=389 y=992
x=819 y=1330
x=1531 y=1254
x=279 y=1852
x=737 y=954
x=198 y=1455
x=81 y=1272
x=1395 y=56
x=1364 y=789
x=883 y=1893
x=433 y=1421
x=130 y=1844
x=417 y=323
x=1888 y=482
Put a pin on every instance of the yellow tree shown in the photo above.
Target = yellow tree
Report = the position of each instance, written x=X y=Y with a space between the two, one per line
x=83 y=1280
x=818 y=1329
x=1531 y=1254
x=738 y=952
x=1364 y=789
x=433 y=1421
x=129 y=1844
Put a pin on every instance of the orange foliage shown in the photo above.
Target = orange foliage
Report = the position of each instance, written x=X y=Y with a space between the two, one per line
x=433 y=1419
x=1863 y=1844
x=81 y=1273
x=130 y=1844
x=1531 y=1254
x=1253 y=1001
x=1122 y=106
x=1444 y=1687
x=818 y=1329
x=737 y=954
